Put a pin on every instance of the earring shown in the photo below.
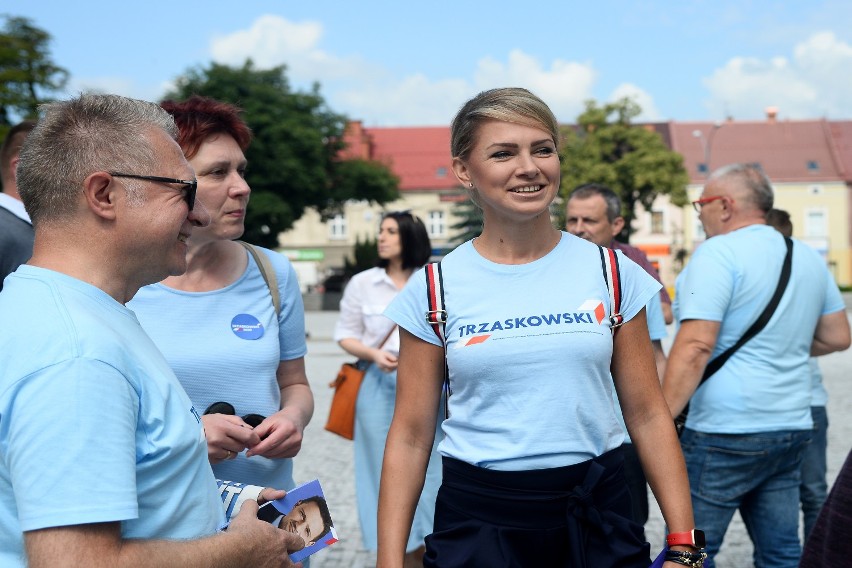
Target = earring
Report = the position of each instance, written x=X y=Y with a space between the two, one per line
x=470 y=185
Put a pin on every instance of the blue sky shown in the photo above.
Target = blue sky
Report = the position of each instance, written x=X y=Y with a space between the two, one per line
x=414 y=63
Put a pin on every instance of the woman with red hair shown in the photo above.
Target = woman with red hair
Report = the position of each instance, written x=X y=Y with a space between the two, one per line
x=239 y=358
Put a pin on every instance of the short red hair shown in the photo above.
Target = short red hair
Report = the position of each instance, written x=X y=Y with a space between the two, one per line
x=198 y=118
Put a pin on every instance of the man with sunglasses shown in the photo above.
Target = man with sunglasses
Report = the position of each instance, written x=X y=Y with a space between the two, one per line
x=751 y=420
x=103 y=461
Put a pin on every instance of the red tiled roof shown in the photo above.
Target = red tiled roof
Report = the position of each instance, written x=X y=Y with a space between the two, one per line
x=788 y=151
x=419 y=156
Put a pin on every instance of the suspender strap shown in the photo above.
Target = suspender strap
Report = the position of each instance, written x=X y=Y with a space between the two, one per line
x=612 y=277
x=755 y=328
x=436 y=316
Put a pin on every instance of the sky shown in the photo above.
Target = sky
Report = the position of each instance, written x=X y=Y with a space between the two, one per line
x=415 y=63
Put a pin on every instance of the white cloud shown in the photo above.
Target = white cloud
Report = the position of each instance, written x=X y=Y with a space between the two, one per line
x=273 y=40
x=368 y=92
x=813 y=83
x=649 y=113
x=564 y=86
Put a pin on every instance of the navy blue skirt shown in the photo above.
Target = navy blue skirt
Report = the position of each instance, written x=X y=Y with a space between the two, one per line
x=573 y=517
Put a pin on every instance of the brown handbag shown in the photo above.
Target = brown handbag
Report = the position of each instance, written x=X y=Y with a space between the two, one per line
x=341 y=415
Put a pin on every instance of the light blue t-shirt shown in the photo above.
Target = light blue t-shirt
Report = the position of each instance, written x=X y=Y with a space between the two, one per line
x=766 y=385
x=225 y=346
x=656 y=321
x=529 y=350
x=94 y=426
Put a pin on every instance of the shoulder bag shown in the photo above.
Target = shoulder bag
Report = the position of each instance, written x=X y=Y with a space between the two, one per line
x=756 y=327
x=341 y=415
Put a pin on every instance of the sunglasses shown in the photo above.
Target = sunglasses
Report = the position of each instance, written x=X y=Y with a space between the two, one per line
x=190 y=187
x=252 y=420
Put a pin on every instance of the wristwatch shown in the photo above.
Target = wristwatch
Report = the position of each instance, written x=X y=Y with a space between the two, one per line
x=693 y=538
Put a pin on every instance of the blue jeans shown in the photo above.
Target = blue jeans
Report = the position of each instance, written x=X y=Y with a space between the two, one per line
x=759 y=474
x=814 y=488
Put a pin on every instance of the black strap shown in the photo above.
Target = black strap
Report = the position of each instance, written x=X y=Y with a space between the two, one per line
x=755 y=328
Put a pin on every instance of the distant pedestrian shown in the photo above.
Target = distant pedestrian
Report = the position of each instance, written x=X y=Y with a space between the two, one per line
x=361 y=330
x=16 y=229
x=593 y=212
x=813 y=487
x=751 y=421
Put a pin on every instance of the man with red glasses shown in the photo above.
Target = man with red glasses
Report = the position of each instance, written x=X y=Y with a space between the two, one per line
x=751 y=420
x=103 y=460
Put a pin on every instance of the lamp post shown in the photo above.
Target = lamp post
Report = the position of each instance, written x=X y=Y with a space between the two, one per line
x=707 y=144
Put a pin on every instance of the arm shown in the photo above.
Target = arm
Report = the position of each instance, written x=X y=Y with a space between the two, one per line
x=650 y=424
x=385 y=361
x=831 y=334
x=248 y=541
x=409 y=444
x=281 y=433
x=659 y=358
x=688 y=357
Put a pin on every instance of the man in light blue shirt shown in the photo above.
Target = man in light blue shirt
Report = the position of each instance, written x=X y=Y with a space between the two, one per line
x=750 y=422
x=103 y=459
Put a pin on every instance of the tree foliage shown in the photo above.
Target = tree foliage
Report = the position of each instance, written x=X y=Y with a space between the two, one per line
x=365 y=254
x=469 y=225
x=27 y=73
x=294 y=159
x=605 y=147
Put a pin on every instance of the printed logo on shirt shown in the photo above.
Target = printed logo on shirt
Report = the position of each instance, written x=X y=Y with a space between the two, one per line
x=589 y=312
x=246 y=326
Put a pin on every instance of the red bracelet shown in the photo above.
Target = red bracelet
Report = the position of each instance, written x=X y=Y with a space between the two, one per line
x=693 y=538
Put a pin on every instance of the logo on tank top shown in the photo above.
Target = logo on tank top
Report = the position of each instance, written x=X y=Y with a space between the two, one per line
x=590 y=312
x=246 y=326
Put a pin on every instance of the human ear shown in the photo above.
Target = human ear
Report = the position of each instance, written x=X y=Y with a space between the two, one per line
x=99 y=191
x=617 y=225
x=461 y=171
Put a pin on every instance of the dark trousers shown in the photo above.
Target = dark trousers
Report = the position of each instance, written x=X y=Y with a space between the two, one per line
x=572 y=517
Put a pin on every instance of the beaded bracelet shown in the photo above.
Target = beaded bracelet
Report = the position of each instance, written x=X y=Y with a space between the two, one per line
x=691 y=559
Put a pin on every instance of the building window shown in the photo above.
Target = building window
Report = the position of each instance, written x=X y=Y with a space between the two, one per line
x=813 y=166
x=441 y=172
x=337 y=228
x=437 y=224
x=657 y=222
x=816 y=223
x=701 y=167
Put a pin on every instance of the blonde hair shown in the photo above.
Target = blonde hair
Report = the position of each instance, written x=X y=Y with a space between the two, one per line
x=509 y=104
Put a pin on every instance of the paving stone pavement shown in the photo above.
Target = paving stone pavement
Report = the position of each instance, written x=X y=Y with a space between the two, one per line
x=330 y=458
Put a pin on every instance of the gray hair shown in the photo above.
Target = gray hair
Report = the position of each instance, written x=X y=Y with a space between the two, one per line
x=613 y=203
x=80 y=136
x=751 y=178
x=509 y=104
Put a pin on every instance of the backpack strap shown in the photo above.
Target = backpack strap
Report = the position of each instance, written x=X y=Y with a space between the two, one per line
x=436 y=316
x=612 y=277
x=268 y=273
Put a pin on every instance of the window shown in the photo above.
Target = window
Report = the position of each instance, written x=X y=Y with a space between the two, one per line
x=657 y=222
x=437 y=224
x=816 y=223
x=441 y=172
x=701 y=167
x=813 y=166
x=337 y=228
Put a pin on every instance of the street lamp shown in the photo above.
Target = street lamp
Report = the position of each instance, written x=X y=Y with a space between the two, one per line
x=707 y=144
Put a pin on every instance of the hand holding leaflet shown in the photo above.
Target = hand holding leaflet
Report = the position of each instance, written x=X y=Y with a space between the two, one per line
x=303 y=511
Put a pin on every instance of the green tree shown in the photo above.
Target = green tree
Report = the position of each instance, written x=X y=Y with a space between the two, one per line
x=27 y=73
x=365 y=254
x=606 y=147
x=469 y=224
x=294 y=159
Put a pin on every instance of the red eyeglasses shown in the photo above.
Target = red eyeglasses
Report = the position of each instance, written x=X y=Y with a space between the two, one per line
x=699 y=203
